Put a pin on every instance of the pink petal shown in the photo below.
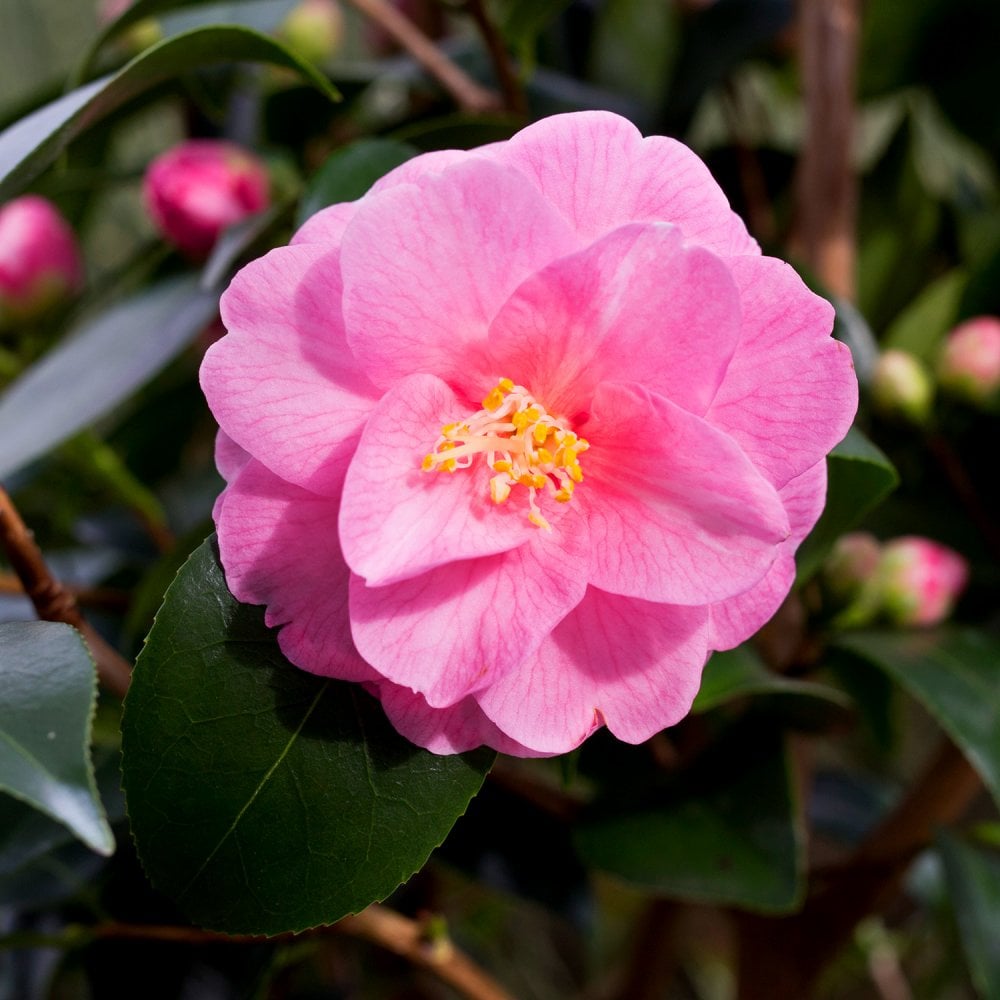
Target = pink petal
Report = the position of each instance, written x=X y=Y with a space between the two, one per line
x=633 y=665
x=790 y=393
x=676 y=511
x=637 y=306
x=327 y=225
x=282 y=383
x=444 y=730
x=432 y=163
x=279 y=547
x=397 y=521
x=229 y=460
x=458 y=628
x=426 y=267
x=739 y=617
x=600 y=173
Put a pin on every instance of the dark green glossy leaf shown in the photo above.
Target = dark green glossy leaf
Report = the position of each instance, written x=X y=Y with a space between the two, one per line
x=98 y=366
x=739 y=673
x=860 y=477
x=349 y=172
x=973 y=877
x=727 y=831
x=264 y=799
x=47 y=694
x=30 y=145
x=954 y=674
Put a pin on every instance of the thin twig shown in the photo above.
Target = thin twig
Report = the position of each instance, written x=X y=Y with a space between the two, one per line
x=513 y=93
x=52 y=601
x=378 y=924
x=109 y=598
x=468 y=94
x=406 y=938
x=826 y=188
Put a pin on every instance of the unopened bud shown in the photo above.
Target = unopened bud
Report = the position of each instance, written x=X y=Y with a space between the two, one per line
x=902 y=387
x=919 y=581
x=969 y=363
x=40 y=262
x=200 y=187
x=851 y=564
x=314 y=29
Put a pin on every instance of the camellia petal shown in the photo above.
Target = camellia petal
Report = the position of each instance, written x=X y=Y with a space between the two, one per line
x=741 y=616
x=676 y=511
x=284 y=368
x=790 y=392
x=564 y=330
x=426 y=267
x=277 y=547
x=458 y=628
x=599 y=172
x=632 y=665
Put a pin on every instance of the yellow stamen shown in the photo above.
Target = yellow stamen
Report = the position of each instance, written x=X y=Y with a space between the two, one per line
x=509 y=433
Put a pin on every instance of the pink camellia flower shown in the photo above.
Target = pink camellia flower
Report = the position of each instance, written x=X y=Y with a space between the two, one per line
x=200 y=187
x=918 y=581
x=39 y=259
x=969 y=363
x=522 y=435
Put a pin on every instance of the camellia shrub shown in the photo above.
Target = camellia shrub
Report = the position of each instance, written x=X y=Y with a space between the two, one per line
x=498 y=501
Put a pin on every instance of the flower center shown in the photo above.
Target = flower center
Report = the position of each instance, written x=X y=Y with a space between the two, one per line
x=522 y=444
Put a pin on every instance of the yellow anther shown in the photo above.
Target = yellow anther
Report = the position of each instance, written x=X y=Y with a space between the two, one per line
x=502 y=465
x=539 y=521
x=506 y=384
x=540 y=433
x=499 y=489
x=543 y=455
x=493 y=400
x=575 y=472
x=428 y=463
x=564 y=495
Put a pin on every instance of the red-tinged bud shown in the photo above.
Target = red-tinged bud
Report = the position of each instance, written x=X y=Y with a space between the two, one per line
x=314 y=29
x=969 y=363
x=919 y=581
x=902 y=387
x=39 y=260
x=851 y=564
x=197 y=189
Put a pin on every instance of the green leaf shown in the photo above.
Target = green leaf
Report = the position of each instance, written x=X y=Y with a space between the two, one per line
x=349 y=172
x=973 y=877
x=30 y=145
x=98 y=366
x=522 y=21
x=740 y=673
x=859 y=478
x=727 y=831
x=953 y=673
x=262 y=798
x=47 y=696
x=920 y=328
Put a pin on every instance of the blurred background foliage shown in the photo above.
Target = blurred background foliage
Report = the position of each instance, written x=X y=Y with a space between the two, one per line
x=619 y=872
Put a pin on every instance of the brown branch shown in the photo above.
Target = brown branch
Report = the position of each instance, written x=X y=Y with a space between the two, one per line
x=513 y=93
x=52 y=601
x=96 y=597
x=407 y=938
x=468 y=94
x=781 y=958
x=826 y=188
x=377 y=924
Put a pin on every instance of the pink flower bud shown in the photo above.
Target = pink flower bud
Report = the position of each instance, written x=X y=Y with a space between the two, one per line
x=200 y=187
x=902 y=387
x=314 y=29
x=851 y=563
x=920 y=580
x=969 y=364
x=39 y=259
